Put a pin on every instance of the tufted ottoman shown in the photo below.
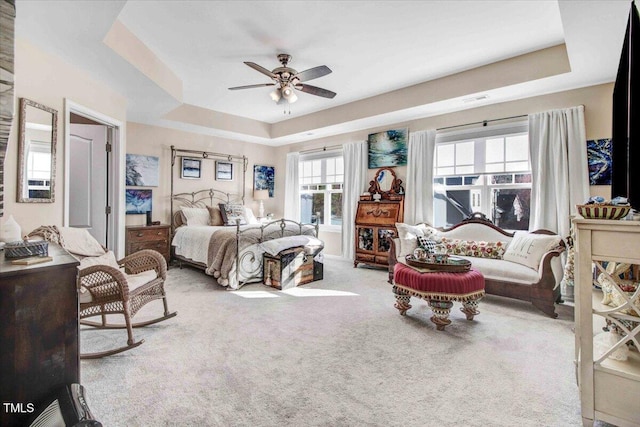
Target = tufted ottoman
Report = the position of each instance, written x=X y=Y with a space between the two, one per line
x=440 y=289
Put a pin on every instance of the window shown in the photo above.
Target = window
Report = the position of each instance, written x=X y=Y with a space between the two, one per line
x=487 y=171
x=321 y=190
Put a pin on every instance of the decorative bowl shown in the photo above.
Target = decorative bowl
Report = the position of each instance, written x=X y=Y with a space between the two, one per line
x=603 y=211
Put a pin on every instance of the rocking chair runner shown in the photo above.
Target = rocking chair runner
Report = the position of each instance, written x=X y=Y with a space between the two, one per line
x=110 y=287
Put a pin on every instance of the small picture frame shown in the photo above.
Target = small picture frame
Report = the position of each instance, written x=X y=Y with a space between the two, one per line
x=191 y=168
x=224 y=171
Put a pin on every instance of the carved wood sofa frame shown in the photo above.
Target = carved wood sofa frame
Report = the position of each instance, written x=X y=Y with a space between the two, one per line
x=543 y=294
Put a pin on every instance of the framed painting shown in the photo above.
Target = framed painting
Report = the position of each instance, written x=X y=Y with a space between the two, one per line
x=599 y=160
x=191 y=168
x=138 y=201
x=224 y=171
x=263 y=178
x=388 y=148
x=142 y=171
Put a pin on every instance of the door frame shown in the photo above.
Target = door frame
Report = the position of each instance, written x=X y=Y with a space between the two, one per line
x=116 y=167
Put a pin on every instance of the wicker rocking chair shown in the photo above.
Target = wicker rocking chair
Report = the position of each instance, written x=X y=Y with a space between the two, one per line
x=108 y=287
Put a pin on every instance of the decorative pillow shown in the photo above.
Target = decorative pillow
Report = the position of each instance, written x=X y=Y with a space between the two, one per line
x=478 y=249
x=215 y=216
x=427 y=244
x=250 y=217
x=80 y=242
x=196 y=216
x=408 y=235
x=232 y=213
x=527 y=248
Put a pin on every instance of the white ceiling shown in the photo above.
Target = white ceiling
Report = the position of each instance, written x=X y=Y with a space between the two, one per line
x=372 y=47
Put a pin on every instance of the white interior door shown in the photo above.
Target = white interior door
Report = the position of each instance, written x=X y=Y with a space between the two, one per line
x=88 y=180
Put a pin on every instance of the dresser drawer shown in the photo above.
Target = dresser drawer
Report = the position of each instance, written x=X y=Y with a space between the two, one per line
x=144 y=235
x=158 y=245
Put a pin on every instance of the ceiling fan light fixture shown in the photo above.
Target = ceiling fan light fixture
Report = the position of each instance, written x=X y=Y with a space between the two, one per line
x=275 y=95
x=289 y=94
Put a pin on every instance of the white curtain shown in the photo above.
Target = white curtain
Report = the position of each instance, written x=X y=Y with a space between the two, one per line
x=292 y=188
x=355 y=183
x=560 y=174
x=419 y=184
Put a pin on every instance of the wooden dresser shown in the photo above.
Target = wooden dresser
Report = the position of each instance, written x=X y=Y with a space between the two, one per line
x=375 y=220
x=38 y=331
x=156 y=237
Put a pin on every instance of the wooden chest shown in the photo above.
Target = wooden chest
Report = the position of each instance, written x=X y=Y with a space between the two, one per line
x=148 y=237
x=290 y=268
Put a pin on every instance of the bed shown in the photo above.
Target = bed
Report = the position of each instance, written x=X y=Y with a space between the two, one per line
x=232 y=254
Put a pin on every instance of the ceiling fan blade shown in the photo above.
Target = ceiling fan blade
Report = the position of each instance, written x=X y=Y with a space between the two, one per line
x=313 y=73
x=313 y=90
x=252 y=86
x=261 y=69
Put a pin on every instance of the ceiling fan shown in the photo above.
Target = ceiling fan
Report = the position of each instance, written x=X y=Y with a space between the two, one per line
x=287 y=79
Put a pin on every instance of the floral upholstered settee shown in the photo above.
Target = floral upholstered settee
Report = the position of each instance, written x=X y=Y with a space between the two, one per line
x=521 y=265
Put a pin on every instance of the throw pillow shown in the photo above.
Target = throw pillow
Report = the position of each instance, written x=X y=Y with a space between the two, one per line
x=478 y=249
x=427 y=244
x=232 y=213
x=408 y=235
x=527 y=248
x=249 y=217
x=196 y=216
x=215 y=216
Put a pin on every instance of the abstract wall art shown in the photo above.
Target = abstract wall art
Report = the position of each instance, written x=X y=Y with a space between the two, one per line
x=142 y=171
x=263 y=178
x=138 y=201
x=191 y=168
x=599 y=158
x=388 y=148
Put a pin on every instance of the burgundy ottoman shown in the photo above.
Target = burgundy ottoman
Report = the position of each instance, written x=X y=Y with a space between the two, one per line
x=440 y=289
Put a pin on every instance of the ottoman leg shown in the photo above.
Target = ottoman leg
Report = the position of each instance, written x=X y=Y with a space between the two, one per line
x=470 y=308
x=402 y=300
x=441 y=310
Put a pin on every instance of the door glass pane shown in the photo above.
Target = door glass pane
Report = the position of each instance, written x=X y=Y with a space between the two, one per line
x=311 y=207
x=511 y=208
x=336 y=208
x=365 y=238
x=383 y=244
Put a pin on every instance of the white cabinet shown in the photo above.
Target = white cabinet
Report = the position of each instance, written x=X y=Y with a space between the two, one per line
x=609 y=388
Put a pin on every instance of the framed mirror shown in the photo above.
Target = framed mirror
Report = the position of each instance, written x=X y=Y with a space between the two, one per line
x=386 y=184
x=36 y=152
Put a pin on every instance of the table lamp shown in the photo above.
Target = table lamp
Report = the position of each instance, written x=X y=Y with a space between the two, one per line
x=261 y=195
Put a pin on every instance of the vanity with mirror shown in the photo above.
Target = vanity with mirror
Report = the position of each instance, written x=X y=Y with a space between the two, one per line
x=36 y=152
x=376 y=219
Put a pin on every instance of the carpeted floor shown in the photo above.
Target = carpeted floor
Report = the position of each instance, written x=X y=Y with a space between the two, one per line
x=333 y=353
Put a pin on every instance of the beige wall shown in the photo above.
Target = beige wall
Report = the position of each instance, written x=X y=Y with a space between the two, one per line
x=157 y=141
x=48 y=80
x=597 y=101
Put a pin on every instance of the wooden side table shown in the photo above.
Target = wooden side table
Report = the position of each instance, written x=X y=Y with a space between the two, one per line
x=155 y=237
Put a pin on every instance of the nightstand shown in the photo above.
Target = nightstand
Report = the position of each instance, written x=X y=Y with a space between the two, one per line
x=155 y=237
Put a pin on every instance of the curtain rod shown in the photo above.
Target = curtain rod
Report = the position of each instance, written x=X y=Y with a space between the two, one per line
x=207 y=154
x=325 y=148
x=484 y=122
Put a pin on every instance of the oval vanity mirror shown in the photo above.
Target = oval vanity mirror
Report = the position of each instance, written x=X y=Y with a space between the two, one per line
x=36 y=152
x=386 y=184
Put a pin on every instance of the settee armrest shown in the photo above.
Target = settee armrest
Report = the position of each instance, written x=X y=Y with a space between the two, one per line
x=545 y=271
x=393 y=257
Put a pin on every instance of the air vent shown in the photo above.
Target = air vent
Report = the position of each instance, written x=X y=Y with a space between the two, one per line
x=475 y=98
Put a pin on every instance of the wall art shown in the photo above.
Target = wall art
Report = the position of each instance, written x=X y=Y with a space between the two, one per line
x=142 y=171
x=599 y=159
x=388 y=148
x=224 y=171
x=138 y=201
x=191 y=168
x=263 y=178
